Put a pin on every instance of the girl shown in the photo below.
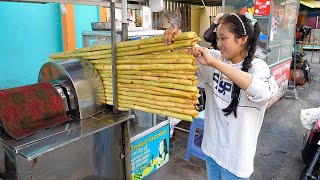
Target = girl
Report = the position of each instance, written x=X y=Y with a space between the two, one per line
x=238 y=87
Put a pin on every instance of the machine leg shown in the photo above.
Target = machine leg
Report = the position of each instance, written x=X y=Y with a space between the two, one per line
x=126 y=145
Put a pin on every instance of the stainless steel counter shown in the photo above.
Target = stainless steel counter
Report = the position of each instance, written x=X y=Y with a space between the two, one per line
x=53 y=138
x=90 y=148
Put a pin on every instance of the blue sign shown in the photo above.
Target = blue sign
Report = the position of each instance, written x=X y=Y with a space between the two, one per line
x=149 y=153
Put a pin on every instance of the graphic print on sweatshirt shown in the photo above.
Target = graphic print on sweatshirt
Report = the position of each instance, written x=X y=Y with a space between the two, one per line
x=222 y=87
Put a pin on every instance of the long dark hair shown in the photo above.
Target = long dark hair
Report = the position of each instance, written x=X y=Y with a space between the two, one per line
x=253 y=33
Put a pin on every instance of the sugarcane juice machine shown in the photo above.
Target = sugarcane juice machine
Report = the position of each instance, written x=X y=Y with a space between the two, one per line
x=90 y=146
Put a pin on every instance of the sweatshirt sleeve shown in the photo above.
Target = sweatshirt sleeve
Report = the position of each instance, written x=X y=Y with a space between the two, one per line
x=263 y=85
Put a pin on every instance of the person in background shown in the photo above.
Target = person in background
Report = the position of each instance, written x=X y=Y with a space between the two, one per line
x=210 y=35
x=238 y=87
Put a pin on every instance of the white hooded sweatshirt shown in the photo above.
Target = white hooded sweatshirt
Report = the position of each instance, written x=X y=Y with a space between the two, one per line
x=231 y=141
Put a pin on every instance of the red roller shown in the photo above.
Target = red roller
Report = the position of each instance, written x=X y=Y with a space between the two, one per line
x=27 y=110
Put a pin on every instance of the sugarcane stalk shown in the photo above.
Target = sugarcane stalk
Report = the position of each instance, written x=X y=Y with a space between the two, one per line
x=195 y=82
x=162 y=56
x=155 y=79
x=162 y=72
x=145 y=91
x=145 y=61
x=151 y=100
x=132 y=48
x=100 y=61
x=148 y=73
x=156 y=61
x=87 y=49
x=156 y=84
x=157 y=49
x=104 y=51
x=157 y=39
x=97 y=57
x=183 y=51
x=126 y=104
x=153 y=95
x=178 y=93
x=182 y=108
x=142 y=102
x=157 y=67
x=83 y=54
x=174 y=101
x=167 y=67
x=166 y=55
x=167 y=92
x=183 y=72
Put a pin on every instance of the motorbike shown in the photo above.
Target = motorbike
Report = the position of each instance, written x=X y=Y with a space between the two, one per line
x=302 y=72
x=311 y=149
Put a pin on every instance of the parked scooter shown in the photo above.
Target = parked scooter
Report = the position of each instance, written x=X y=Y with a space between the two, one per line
x=302 y=73
x=311 y=145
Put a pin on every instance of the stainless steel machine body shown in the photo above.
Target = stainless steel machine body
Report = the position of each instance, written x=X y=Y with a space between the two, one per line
x=91 y=146
x=80 y=80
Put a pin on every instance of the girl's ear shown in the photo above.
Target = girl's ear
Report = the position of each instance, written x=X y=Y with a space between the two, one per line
x=243 y=40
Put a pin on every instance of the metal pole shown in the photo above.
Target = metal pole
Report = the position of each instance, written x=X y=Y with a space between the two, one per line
x=114 y=63
x=223 y=6
x=124 y=35
x=126 y=124
x=290 y=88
x=126 y=145
x=317 y=22
x=312 y=52
x=294 y=62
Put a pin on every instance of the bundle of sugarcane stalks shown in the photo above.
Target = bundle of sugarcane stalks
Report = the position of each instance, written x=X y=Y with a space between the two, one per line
x=151 y=76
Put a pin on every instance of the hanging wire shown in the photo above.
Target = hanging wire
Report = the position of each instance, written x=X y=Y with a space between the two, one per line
x=206 y=8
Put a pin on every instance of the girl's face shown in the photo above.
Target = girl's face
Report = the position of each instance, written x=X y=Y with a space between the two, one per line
x=230 y=46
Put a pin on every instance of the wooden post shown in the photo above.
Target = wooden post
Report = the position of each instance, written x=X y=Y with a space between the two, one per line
x=68 y=29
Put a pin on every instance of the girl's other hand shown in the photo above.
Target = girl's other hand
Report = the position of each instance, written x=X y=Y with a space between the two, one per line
x=194 y=51
x=169 y=34
x=203 y=56
x=197 y=53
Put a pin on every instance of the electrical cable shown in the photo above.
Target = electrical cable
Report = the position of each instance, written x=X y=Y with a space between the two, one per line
x=206 y=8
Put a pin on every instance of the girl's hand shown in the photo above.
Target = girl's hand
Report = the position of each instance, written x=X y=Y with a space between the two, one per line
x=169 y=34
x=203 y=56
x=195 y=51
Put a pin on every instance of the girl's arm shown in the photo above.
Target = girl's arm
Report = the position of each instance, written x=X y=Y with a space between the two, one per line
x=240 y=78
x=237 y=76
x=259 y=83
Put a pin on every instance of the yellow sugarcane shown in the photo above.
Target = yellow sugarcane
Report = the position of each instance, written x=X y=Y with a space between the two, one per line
x=155 y=79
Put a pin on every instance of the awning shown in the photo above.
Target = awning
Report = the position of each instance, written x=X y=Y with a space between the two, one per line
x=311 y=3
